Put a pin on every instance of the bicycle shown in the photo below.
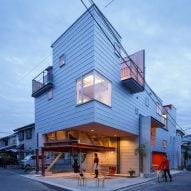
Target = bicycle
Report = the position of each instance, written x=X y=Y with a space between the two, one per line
x=160 y=176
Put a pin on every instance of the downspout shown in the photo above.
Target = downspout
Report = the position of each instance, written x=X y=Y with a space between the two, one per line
x=140 y=142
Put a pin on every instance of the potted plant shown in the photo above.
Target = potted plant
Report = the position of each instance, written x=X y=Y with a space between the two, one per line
x=141 y=151
x=131 y=172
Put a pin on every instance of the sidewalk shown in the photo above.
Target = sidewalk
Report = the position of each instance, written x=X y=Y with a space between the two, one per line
x=69 y=181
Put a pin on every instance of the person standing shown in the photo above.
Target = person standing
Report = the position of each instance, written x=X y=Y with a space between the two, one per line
x=76 y=166
x=96 y=163
x=165 y=167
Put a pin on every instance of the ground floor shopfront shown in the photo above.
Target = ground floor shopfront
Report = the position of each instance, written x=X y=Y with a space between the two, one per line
x=115 y=149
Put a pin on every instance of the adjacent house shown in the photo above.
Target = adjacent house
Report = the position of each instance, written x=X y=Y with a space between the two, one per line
x=26 y=140
x=8 y=143
x=94 y=100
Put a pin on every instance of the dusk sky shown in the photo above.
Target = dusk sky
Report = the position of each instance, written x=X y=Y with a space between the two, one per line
x=28 y=28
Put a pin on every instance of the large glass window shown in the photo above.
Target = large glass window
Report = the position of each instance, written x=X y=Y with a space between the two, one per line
x=93 y=86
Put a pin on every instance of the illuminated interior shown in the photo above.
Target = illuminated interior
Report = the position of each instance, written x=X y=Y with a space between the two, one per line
x=93 y=86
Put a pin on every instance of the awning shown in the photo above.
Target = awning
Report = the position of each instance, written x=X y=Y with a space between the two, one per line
x=13 y=150
x=155 y=123
x=8 y=147
x=78 y=147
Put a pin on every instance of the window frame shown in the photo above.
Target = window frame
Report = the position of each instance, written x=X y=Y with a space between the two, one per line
x=28 y=133
x=50 y=94
x=164 y=143
x=21 y=135
x=159 y=109
x=62 y=59
x=81 y=87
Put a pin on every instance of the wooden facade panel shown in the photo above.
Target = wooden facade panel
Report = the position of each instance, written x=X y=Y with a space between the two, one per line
x=128 y=159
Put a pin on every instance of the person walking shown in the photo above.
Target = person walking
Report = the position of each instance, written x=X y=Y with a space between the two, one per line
x=96 y=163
x=165 y=167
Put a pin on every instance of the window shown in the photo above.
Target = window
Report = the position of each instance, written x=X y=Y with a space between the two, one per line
x=147 y=101
x=61 y=60
x=164 y=119
x=29 y=134
x=51 y=136
x=164 y=143
x=159 y=109
x=50 y=94
x=136 y=111
x=21 y=135
x=93 y=86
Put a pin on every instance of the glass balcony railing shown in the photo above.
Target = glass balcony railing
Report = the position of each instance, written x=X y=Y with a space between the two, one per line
x=43 y=82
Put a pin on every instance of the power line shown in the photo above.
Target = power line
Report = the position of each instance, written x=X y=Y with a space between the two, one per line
x=37 y=65
x=173 y=121
x=109 y=3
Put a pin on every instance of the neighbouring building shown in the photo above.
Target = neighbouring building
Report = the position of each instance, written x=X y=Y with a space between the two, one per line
x=26 y=140
x=92 y=100
x=8 y=143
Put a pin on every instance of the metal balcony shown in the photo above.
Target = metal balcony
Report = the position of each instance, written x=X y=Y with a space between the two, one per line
x=131 y=78
x=132 y=72
x=43 y=82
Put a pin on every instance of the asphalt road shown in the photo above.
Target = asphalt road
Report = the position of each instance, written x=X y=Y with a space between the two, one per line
x=10 y=180
x=180 y=182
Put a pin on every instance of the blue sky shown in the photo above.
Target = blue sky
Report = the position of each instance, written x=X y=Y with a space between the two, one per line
x=28 y=28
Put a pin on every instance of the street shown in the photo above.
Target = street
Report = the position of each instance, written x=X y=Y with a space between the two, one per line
x=10 y=180
x=180 y=182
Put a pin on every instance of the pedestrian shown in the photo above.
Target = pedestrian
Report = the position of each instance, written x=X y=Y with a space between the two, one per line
x=165 y=167
x=96 y=163
x=76 y=166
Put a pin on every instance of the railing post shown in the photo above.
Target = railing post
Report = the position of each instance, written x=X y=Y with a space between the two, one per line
x=43 y=162
x=37 y=161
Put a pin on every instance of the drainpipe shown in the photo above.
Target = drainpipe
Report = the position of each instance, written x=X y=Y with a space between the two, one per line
x=118 y=155
x=139 y=141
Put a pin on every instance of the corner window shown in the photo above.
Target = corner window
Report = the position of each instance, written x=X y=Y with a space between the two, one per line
x=61 y=60
x=93 y=86
x=29 y=134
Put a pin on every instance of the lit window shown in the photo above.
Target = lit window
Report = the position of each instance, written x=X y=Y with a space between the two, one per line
x=164 y=143
x=88 y=87
x=50 y=94
x=102 y=88
x=61 y=60
x=93 y=86
x=164 y=119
